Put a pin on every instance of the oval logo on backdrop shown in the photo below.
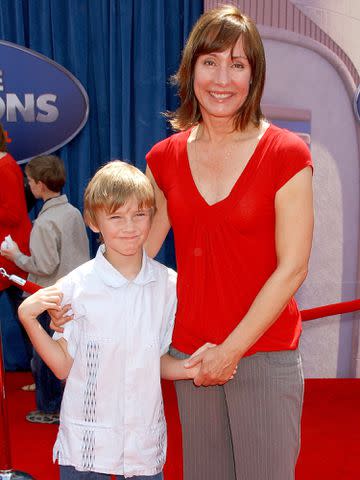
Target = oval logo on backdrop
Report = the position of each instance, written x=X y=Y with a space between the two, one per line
x=42 y=105
x=357 y=103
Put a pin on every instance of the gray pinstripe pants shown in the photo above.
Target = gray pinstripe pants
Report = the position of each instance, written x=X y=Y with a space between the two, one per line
x=249 y=428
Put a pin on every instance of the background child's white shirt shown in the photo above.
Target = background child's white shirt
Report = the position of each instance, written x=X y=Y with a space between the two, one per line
x=112 y=418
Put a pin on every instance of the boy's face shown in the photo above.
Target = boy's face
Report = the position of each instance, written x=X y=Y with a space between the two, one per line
x=124 y=231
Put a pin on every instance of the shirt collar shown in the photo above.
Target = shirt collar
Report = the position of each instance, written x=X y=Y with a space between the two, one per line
x=113 y=278
x=52 y=202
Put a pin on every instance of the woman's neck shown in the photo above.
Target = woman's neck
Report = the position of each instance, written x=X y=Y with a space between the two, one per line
x=218 y=131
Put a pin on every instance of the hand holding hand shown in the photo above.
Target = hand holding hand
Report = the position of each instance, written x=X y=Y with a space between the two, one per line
x=216 y=366
x=194 y=368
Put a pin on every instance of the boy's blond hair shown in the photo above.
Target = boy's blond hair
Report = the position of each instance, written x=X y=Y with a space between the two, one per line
x=112 y=186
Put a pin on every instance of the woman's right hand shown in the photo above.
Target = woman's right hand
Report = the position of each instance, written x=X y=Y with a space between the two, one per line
x=60 y=317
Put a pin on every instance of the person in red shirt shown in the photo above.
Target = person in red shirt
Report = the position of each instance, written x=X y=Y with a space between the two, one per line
x=14 y=220
x=237 y=192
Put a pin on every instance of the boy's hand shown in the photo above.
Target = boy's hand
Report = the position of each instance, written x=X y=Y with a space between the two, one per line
x=43 y=299
x=11 y=253
x=60 y=317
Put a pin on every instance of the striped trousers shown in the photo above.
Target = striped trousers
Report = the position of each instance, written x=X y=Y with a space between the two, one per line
x=249 y=428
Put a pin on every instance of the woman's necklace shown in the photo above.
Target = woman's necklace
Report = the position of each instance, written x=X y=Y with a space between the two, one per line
x=227 y=154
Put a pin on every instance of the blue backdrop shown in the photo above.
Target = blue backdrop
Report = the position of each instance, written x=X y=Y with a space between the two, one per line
x=123 y=52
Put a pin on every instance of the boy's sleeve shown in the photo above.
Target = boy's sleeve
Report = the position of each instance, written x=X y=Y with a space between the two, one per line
x=71 y=328
x=169 y=314
x=44 y=255
x=71 y=335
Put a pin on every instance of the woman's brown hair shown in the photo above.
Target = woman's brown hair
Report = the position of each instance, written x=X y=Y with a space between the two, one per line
x=216 y=31
x=2 y=139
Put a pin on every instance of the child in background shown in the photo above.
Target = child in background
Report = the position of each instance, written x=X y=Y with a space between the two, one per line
x=58 y=244
x=114 y=350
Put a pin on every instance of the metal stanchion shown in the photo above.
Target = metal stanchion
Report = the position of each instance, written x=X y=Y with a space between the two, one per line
x=6 y=471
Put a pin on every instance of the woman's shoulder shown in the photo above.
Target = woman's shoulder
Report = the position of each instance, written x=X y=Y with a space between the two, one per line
x=287 y=155
x=6 y=156
x=8 y=160
x=172 y=142
x=284 y=140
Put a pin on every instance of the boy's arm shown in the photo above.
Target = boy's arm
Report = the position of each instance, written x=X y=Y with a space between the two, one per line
x=54 y=353
x=44 y=256
x=174 y=369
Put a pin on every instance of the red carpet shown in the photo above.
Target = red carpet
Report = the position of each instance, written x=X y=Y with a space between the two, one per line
x=331 y=430
x=330 y=441
x=31 y=444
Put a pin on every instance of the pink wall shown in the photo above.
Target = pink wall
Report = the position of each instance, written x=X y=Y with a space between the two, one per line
x=283 y=14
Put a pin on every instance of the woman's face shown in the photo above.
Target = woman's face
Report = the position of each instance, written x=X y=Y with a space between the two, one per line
x=222 y=81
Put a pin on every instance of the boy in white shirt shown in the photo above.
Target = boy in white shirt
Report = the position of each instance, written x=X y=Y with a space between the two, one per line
x=123 y=302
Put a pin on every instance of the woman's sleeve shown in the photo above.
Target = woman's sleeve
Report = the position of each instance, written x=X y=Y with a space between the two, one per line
x=292 y=156
x=158 y=160
x=10 y=214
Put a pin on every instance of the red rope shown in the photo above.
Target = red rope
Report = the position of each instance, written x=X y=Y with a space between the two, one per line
x=24 y=285
x=328 y=310
x=30 y=287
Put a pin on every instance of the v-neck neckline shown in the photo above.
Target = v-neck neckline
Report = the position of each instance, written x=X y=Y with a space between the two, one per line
x=240 y=181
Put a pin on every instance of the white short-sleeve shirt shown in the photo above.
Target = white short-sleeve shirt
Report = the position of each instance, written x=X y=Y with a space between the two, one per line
x=112 y=417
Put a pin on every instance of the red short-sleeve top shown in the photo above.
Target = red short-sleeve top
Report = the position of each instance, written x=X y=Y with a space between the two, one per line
x=226 y=252
x=14 y=218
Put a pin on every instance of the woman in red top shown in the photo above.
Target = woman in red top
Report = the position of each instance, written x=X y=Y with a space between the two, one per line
x=14 y=219
x=237 y=192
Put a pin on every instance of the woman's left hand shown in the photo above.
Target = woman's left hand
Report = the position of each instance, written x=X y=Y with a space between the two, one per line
x=217 y=366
